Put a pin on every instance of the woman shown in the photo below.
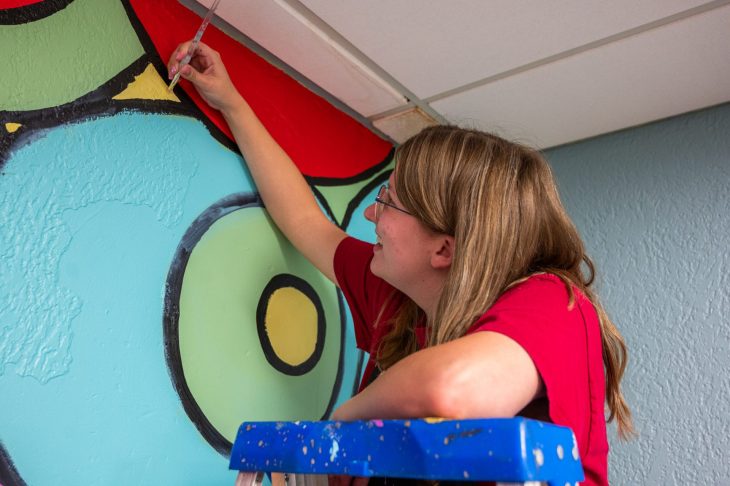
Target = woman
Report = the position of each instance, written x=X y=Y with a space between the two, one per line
x=473 y=302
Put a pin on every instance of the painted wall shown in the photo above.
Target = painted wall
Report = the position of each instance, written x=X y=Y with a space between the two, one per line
x=653 y=204
x=147 y=303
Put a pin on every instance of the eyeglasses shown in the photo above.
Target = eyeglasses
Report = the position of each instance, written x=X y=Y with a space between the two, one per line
x=382 y=200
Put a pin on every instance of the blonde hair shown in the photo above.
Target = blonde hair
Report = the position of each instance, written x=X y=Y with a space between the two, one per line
x=499 y=201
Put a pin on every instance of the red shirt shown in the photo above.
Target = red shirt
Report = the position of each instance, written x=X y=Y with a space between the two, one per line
x=564 y=343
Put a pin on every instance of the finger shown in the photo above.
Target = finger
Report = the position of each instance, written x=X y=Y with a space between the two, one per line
x=182 y=50
x=207 y=55
x=190 y=73
x=205 y=50
x=174 y=63
x=202 y=57
x=200 y=63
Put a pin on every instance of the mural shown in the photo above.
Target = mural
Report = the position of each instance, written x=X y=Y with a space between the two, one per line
x=147 y=304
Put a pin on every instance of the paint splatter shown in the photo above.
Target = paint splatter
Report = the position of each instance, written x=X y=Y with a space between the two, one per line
x=539 y=457
x=333 y=450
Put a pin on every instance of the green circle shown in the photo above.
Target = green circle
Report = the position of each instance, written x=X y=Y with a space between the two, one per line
x=223 y=363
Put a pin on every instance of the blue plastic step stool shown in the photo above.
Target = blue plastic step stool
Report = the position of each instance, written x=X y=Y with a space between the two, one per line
x=514 y=450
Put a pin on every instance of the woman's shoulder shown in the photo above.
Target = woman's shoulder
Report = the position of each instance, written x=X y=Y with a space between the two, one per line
x=350 y=246
x=540 y=299
x=538 y=289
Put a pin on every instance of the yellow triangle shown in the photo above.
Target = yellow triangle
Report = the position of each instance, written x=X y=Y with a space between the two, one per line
x=147 y=86
x=12 y=127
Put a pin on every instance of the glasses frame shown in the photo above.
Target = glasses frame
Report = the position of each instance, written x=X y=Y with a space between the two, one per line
x=380 y=202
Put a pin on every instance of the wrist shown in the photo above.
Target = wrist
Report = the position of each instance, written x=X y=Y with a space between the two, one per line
x=235 y=107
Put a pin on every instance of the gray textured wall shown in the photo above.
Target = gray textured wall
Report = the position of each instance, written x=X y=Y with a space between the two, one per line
x=653 y=205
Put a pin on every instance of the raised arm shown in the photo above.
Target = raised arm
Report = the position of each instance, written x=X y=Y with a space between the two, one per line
x=286 y=194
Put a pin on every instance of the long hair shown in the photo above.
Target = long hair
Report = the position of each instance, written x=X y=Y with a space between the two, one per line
x=499 y=201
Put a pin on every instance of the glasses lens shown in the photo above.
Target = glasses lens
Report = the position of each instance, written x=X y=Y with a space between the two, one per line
x=378 y=202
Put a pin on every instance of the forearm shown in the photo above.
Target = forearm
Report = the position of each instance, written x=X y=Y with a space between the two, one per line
x=285 y=192
x=481 y=375
x=282 y=187
x=403 y=391
x=379 y=401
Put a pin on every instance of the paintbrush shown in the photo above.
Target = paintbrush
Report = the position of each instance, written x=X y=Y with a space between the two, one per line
x=194 y=44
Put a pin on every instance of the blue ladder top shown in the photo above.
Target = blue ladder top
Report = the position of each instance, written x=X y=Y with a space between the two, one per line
x=503 y=450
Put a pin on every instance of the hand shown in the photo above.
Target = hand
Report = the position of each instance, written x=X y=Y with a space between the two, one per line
x=208 y=74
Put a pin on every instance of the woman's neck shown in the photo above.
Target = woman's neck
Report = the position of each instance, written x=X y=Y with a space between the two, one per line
x=427 y=294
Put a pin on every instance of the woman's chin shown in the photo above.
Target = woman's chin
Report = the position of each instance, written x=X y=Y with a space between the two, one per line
x=375 y=264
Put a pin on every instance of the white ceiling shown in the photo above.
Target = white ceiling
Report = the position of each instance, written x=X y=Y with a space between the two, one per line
x=543 y=72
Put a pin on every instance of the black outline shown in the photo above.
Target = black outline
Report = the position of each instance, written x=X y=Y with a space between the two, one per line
x=277 y=282
x=358 y=198
x=343 y=181
x=99 y=102
x=342 y=308
x=358 y=371
x=9 y=475
x=91 y=105
x=171 y=317
x=32 y=12
x=325 y=205
x=171 y=313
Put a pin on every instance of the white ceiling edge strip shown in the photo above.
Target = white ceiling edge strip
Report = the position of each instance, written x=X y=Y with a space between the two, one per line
x=313 y=53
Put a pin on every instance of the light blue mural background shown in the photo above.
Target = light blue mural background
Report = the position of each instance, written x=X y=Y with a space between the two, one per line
x=117 y=195
x=92 y=215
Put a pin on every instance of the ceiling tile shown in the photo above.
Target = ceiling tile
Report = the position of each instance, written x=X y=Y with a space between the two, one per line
x=670 y=70
x=432 y=46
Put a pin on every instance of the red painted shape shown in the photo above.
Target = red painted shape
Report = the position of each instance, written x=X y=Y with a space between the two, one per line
x=322 y=140
x=8 y=4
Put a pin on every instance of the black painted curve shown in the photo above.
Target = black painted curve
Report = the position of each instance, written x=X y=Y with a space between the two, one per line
x=32 y=12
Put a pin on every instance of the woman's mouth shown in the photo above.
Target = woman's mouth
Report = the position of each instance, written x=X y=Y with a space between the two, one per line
x=378 y=242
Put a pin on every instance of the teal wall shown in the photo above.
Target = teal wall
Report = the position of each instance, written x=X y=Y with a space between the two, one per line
x=653 y=205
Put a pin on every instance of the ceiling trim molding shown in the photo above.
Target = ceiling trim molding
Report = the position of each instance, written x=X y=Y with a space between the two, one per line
x=274 y=60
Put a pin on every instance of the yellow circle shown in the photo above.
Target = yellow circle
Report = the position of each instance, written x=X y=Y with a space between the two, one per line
x=291 y=324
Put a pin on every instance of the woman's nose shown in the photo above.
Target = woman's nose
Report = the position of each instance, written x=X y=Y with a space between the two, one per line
x=370 y=213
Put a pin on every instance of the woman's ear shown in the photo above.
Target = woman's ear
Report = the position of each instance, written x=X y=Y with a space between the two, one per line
x=441 y=258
